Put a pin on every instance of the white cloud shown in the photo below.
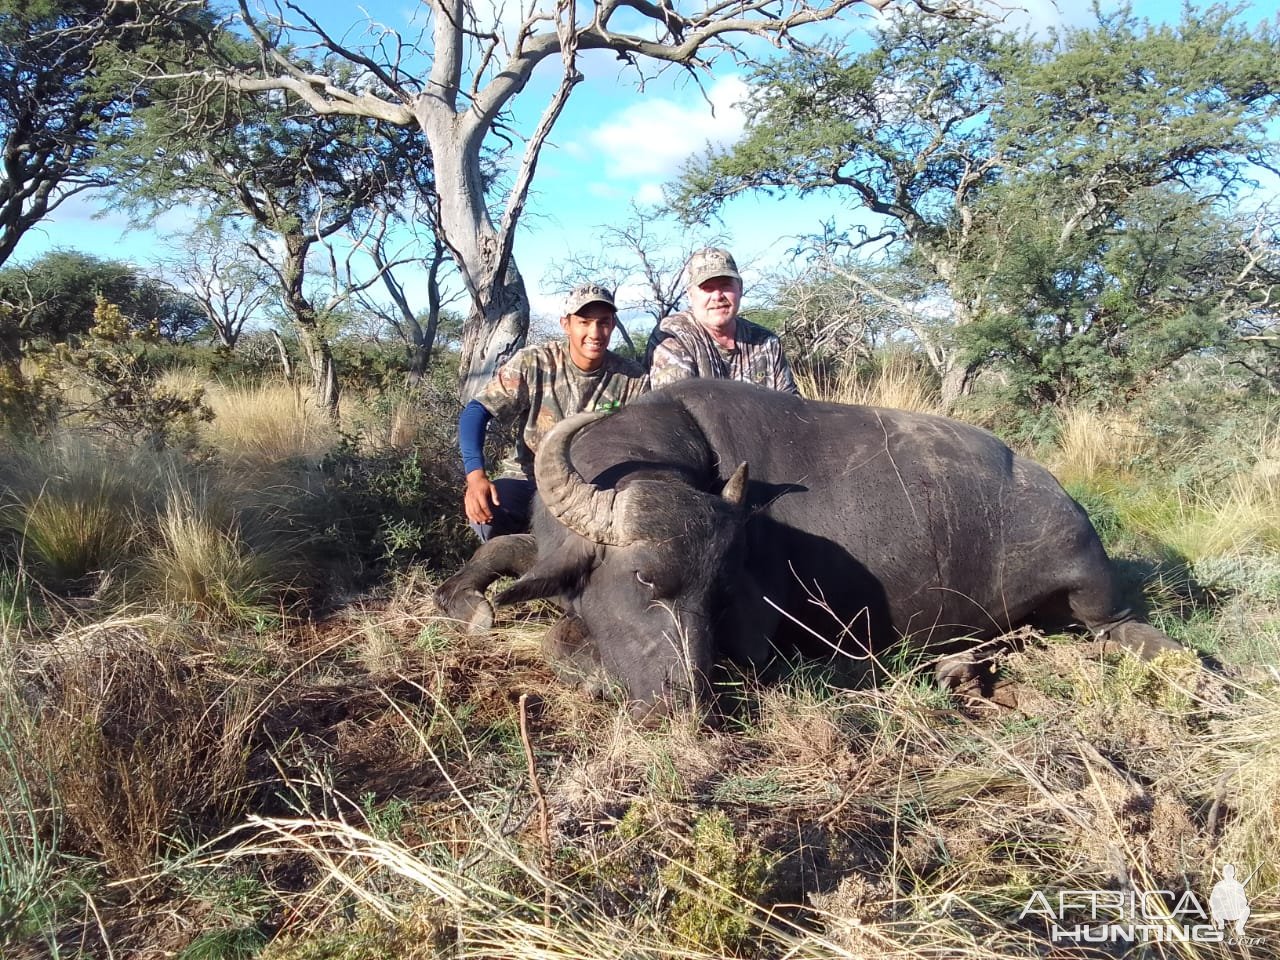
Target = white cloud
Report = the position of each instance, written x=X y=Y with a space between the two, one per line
x=654 y=137
x=650 y=195
x=605 y=191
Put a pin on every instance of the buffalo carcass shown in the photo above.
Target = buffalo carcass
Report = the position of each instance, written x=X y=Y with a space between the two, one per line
x=857 y=528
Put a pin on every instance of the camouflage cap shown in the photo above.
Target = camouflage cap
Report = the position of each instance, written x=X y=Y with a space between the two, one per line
x=708 y=263
x=585 y=293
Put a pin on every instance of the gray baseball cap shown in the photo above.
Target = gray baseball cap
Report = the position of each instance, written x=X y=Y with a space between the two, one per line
x=585 y=293
x=711 y=262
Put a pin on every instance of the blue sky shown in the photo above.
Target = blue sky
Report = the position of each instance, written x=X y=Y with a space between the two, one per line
x=613 y=145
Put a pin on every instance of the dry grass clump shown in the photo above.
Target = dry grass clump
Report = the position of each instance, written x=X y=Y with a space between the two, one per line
x=1093 y=446
x=1237 y=766
x=898 y=382
x=129 y=525
x=268 y=423
x=206 y=559
x=72 y=508
x=141 y=747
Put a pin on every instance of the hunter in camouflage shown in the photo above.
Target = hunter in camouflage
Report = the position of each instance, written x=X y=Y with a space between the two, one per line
x=537 y=388
x=709 y=339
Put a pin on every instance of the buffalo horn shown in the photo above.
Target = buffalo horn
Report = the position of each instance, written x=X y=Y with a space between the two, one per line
x=599 y=515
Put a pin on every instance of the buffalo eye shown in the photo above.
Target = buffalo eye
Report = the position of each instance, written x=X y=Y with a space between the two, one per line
x=644 y=583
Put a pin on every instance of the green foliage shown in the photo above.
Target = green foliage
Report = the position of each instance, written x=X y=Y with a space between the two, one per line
x=55 y=99
x=1083 y=225
x=236 y=943
x=1105 y=314
x=401 y=507
x=718 y=888
x=54 y=298
x=113 y=364
x=29 y=832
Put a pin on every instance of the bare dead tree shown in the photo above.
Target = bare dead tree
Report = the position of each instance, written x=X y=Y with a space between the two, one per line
x=219 y=271
x=642 y=260
x=420 y=245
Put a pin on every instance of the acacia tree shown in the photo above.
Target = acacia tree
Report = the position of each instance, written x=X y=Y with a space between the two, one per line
x=474 y=77
x=55 y=96
x=1103 y=315
x=957 y=139
x=298 y=180
x=53 y=299
x=48 y=115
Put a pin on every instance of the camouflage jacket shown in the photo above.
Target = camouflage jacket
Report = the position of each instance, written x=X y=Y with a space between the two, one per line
x=541 y=385
x=679 y=348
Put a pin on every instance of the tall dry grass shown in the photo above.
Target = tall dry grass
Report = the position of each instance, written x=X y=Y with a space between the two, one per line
x=268 y=423
x=1238 y=514
x=202 y=559
x=898 y=382
x=1094 y=446
x=72 y=507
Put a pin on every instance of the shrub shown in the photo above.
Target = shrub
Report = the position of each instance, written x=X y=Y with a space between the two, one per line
x=72 y=509
x=717 y=888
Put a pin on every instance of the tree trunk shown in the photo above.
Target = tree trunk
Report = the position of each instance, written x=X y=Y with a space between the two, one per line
x=493 y=334
x=285 y=363
x=315 y=345
x=324 y=374
x=957 y=382
x=498 y=321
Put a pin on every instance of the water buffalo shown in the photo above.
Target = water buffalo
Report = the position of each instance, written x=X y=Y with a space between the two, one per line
x=717 y=519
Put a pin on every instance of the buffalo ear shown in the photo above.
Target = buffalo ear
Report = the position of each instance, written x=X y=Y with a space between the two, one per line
x=735 y=491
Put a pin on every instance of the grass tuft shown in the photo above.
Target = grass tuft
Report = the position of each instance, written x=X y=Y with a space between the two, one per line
x=72 y=507
x=898 y=382
x=202 y=559
x=267 y=424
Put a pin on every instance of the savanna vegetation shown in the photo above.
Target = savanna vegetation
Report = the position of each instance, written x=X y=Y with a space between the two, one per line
x=232 y=724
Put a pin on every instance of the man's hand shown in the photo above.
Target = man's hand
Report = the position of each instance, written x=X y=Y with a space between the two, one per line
x=481 y=497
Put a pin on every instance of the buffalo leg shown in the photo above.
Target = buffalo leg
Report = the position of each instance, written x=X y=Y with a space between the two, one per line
x=462 y=596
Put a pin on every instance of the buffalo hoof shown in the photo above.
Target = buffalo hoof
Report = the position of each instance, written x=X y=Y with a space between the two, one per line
x=968 y=676
x=1140 y=639
x=467 y=606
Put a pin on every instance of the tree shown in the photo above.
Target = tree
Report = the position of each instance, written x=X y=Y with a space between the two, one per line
x=962 y=143
x=217 y=269
x=298 y=180
x=55 y=98
x=53 y=299
x=460 y=103
x=832 y=311
x=416 y=330
x=1108 y=312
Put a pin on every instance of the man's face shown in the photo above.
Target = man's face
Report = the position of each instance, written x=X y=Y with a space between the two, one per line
x=715 y=301
x=588 y=332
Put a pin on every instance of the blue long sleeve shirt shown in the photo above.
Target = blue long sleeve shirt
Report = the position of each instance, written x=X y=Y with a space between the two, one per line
x=471 y=429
